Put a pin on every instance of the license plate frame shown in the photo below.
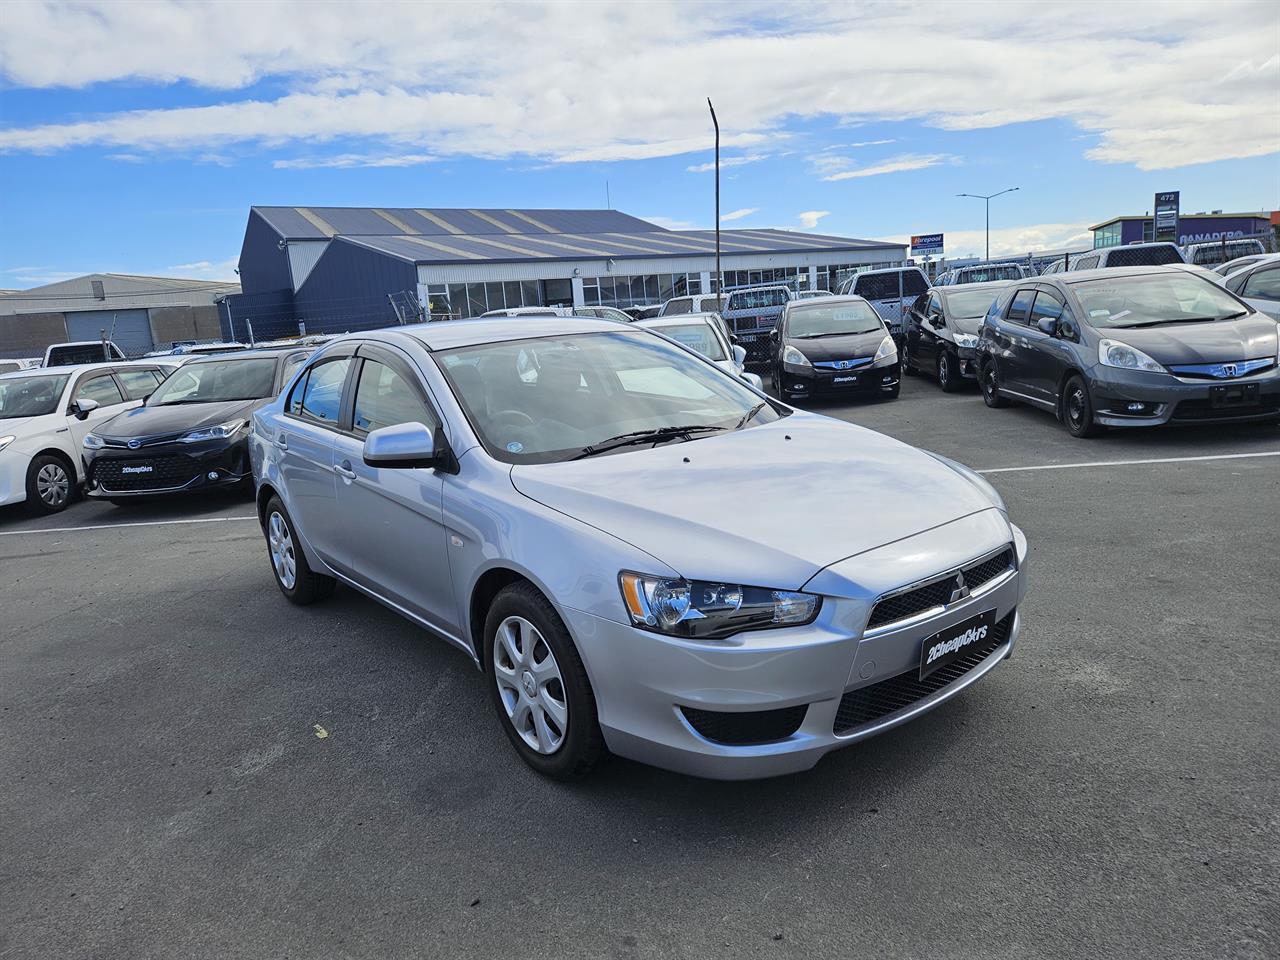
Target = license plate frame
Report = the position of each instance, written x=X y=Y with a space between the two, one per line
x=1235 y=395
x=981 y=625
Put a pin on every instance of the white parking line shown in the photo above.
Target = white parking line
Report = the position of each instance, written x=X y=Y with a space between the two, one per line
x=119 y=526
x=1128 y=463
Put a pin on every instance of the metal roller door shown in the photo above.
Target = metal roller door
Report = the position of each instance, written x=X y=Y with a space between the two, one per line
x=132 y=328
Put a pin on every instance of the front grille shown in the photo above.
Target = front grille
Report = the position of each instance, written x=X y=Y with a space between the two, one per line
x=842 y=364
x=869 y=704
x=752 y=727
x=936 y=593
x=1192 y=410
x=165 y=472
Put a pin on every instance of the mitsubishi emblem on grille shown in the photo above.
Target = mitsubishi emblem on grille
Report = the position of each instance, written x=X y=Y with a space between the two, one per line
x=959 y=589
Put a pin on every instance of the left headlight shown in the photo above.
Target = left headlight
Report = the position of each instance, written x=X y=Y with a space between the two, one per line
x=92 y=442
x=701 y=610
x=5 y=441
x=217 y=432
x=888 y=350
x=966 y=339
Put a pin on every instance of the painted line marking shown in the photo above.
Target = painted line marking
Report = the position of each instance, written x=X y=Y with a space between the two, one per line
x=119 y=526
x=1127 y=463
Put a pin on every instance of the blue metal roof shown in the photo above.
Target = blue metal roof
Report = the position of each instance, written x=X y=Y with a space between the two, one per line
x=319 y=223
x=617 y=245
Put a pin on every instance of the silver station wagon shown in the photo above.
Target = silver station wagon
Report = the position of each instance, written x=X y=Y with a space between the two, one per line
x=643 y=553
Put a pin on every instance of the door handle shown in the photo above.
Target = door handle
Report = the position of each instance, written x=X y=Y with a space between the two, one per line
x=282 y=441
x=344 y=470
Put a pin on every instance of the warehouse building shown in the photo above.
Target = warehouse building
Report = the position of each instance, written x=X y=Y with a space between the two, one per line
x=139 y=314
x=327 y=268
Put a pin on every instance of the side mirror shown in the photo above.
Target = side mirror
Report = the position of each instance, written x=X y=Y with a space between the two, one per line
x=84 y=406
x=739 y=354
x=937 y=322
x=406 y=446
x=773 y=334
x=1048 y=325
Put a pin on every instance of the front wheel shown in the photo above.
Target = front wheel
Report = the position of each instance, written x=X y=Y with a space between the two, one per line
x=907 y=368
x=539 y=687
x=990 y=379
x=295 y=578
x=50 y=485
x=948 y=372
x=1077 y=408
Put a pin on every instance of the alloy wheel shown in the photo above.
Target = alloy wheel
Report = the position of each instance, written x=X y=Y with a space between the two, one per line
x=944 y=370
x=282 y=553
x=530 y=685
x=53 y=485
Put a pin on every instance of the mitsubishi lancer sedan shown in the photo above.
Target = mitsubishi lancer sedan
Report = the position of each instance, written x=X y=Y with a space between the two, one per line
x=551 y=497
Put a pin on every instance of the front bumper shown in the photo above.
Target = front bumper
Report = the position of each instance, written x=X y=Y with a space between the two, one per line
x=869 y=381
x=651 y=690
x=968 y=362
x=167 y=468
x=1137 y=398
x=13 y=476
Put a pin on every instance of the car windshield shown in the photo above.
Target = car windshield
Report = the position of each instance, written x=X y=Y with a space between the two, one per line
x=831 y=319
x=218 y=380
x=696 y=336
x=30 y=396
x=1149 y=299
x=550 y=399
x=969 y=304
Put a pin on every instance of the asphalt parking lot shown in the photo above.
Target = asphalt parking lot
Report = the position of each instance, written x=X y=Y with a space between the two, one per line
x=1111 y=791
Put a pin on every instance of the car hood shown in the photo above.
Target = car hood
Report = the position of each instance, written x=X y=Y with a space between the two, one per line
x=967 y=324
x=176 y=418
x=1248 y=338
x=844 y=347
x=767 y=506
x=20 y=426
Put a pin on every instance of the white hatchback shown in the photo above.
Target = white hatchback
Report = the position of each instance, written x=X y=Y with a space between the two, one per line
x=45 y=414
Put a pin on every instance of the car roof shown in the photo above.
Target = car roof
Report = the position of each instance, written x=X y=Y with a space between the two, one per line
x=450 y=334
x=1080 y=276
x=675 y=319
x=871 y=273
x=244 y=354
x=949 y=289
x=813 y=303
x=69 y=368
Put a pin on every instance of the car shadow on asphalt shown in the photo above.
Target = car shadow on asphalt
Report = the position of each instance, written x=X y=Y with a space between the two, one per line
x=90 y=512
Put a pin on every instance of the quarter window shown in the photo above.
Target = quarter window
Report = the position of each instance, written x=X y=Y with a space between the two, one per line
x=384 y=398
x=101 y=388
x=319 y=396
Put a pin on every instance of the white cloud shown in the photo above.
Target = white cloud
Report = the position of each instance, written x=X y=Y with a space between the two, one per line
x=727 y=162
x=207 y=269
x=1165 y=85
x=809 y=219
x=739 y=214
x=346 y=160
x=892 y=165
x=670 y=223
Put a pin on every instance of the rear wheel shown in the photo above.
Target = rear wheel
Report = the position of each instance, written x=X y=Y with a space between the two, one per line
x=294 y=577
x=538 y=684
x=1077 y=408
x=51 y=485
x=948 y=372
x=990 y=380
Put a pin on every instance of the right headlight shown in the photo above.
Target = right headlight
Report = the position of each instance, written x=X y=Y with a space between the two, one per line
x=5 y=441
x=701 y=610
x=794 y=357
x=1113 y=353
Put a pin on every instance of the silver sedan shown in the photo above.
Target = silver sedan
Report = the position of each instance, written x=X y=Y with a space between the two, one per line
x=641 y=552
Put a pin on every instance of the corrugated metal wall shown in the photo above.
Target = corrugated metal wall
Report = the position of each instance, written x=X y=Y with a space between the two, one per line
x=348 y=289
x=129 y=329
x=303 y=255
x=264 y=266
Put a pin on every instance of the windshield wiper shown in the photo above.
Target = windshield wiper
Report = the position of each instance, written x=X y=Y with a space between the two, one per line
x=750 y=414
x=655 y=436
x=1159 y=323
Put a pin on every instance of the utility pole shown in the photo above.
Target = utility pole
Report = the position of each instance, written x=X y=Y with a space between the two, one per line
x=987 y=198
x=719 y=275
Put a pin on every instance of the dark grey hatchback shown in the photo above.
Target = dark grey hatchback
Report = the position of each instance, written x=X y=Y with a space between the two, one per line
x=1130 y=347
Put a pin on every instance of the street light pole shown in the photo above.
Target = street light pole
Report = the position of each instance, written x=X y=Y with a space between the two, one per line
x=987 y=198
x=719 y=275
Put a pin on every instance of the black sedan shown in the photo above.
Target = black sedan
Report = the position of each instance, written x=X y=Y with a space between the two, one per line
x=1130 y=347
x=829 y=346
x=941 y=332
x=192 y=432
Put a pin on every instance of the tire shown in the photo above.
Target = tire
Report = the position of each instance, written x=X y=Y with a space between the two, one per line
x=907 y=368
x=989 y=380
x=1077 y=408
x=293 y=576
x=51 y=485
x=948 y=372
x=527 y=646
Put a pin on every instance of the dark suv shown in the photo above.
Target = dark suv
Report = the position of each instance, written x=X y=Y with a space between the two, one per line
x=1130 y=347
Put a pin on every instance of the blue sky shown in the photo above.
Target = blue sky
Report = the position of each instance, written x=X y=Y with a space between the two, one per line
x=134 y=137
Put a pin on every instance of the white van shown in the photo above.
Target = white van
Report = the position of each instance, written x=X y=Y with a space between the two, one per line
x=694 y=303
x=890 y=291
x=1130 y=255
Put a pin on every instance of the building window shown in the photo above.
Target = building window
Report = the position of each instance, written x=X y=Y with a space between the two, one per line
x=1108 y=236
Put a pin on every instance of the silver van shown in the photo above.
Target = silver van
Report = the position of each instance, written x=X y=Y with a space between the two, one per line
x=1130 y=255
x=890 y=291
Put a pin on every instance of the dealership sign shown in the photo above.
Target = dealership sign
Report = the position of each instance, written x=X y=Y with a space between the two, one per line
x=1166 y=219
x=926 y=244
